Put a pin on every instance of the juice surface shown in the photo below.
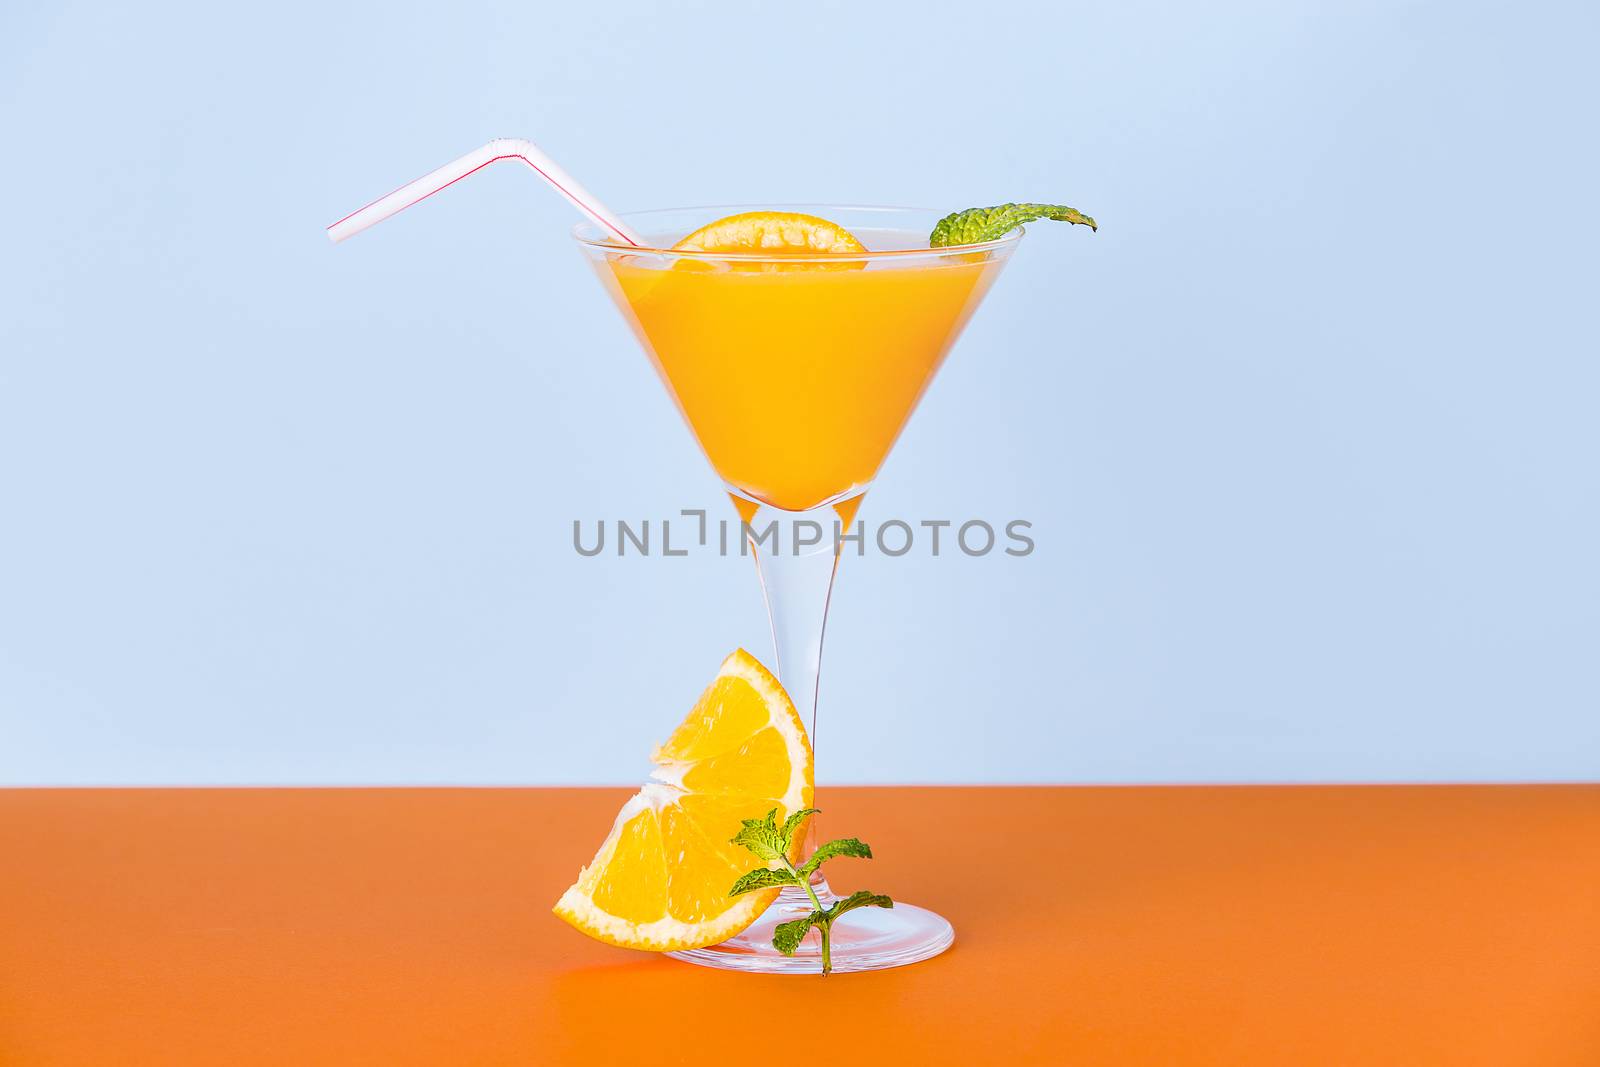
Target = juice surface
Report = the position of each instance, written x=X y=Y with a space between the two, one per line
x=797 y=379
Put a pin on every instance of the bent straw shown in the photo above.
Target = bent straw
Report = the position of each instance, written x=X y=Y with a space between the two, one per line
x=471 y=163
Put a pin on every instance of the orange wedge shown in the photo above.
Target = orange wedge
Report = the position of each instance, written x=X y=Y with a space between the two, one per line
x=660 y=879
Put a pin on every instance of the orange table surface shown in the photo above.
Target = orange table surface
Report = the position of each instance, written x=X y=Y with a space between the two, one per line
x=1230 y=926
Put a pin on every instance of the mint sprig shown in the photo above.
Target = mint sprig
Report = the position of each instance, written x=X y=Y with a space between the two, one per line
x=979 y=224
x=771 y=842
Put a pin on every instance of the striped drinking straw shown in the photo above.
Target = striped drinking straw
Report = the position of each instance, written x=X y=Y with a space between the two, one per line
x=493 y=152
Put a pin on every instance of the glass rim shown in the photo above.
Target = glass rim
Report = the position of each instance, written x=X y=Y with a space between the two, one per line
x=591 y=236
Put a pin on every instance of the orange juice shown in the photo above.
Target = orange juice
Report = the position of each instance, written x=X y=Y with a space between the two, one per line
x=796 y=379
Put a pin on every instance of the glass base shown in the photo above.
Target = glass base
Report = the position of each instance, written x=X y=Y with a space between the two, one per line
x=867 y=939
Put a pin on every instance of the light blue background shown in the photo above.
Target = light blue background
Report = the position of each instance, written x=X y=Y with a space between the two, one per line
x=1308 y=432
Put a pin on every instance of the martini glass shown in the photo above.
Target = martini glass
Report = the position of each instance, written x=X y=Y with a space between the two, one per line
x=796 y=373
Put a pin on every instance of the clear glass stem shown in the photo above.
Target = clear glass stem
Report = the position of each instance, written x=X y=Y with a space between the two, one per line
x=797 y=561
x=797 y=557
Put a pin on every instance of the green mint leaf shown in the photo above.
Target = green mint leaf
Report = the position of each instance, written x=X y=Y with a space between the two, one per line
x=845 y=846
x=792 y=823
x=786 y=937
x=978 y=224
x=861 y=898
x=762 y=837
x=771 y=843
x=762 y=878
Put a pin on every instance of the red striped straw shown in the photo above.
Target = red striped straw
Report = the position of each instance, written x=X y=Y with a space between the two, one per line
x=493 y=152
